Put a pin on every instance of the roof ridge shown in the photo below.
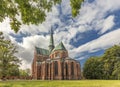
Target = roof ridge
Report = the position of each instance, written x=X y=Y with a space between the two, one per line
x=42 y=51
x=41 y=48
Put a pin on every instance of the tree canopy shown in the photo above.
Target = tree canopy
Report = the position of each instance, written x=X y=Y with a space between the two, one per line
x=93 y=68
x=9 y=63
x=31 y=11
x=24 y=73
x=106 y=66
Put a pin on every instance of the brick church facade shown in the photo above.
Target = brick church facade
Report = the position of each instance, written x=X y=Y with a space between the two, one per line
x=55 y=63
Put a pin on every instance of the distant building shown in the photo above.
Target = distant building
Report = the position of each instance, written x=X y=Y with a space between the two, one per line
x=54 y=64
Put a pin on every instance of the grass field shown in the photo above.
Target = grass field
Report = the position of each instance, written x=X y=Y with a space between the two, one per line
x=70 y=83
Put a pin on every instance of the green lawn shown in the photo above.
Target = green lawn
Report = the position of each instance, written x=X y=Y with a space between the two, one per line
x=65 y=83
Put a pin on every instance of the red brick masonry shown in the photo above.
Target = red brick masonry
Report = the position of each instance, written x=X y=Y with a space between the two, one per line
x=56 y=66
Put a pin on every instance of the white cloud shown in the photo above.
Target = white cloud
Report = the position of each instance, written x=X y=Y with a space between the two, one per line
x=26 y=49
x=110 y=5
x=5 y=26
x=108 y=24
x=66 y=9
x=101 y=43
x=51 y=19
x=93 y=15
x=31 y=41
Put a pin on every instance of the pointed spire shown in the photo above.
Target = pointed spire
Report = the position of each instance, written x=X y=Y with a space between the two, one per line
x=51 y=38
x=51 y=44
x=51 y=31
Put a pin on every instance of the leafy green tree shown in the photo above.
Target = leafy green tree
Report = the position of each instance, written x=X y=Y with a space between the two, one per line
x=75 y=5
x=110 y=59
x=24 y=73
x=93 y=68
x=30 y=11
x=105 y=67
x=9 y=63
x=14 y=71
x=116 y=71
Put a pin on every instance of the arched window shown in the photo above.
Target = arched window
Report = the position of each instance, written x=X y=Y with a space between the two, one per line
x=56 y=68
x=47 y=69
x=50 y=70
x=62 y=65
x=77 y=68
x=72 y=68
x=66 y=66
x=40 y=70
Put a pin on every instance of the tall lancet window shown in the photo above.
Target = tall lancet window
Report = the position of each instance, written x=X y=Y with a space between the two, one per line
x=56 y=68
x=47 y=69
x=72 y=68
x=66 y=66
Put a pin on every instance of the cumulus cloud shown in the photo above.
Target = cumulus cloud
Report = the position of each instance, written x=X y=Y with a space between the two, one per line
x=93 y=15
x=100 y=43
x=51 y=19
x=5 y=26
x=108 y=5
x=108 y=24
x=26 y=48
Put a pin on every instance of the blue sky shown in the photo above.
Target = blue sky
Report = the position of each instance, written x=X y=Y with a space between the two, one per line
x=96 y=28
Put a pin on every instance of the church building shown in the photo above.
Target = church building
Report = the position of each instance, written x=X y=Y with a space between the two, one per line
x=55 y=63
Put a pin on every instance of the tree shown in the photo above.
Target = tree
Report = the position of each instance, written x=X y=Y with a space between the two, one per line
x=75 y=5
x=106 y=66
x=31 y=11
x=14 y=71
x=93 y=68
x=9 y=63
x=24 y=73
x=116 y=71
x=111 y=59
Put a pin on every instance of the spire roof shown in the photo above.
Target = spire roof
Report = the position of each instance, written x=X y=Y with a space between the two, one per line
x=51 y=43
x=60 y=46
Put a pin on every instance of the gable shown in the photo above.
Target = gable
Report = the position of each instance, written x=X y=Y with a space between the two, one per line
x=59 y=47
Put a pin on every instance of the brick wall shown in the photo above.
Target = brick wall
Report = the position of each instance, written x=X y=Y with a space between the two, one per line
x=45 y=70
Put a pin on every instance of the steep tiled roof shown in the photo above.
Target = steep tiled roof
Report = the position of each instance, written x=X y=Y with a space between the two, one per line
x=59 y=47
x=42 y=51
